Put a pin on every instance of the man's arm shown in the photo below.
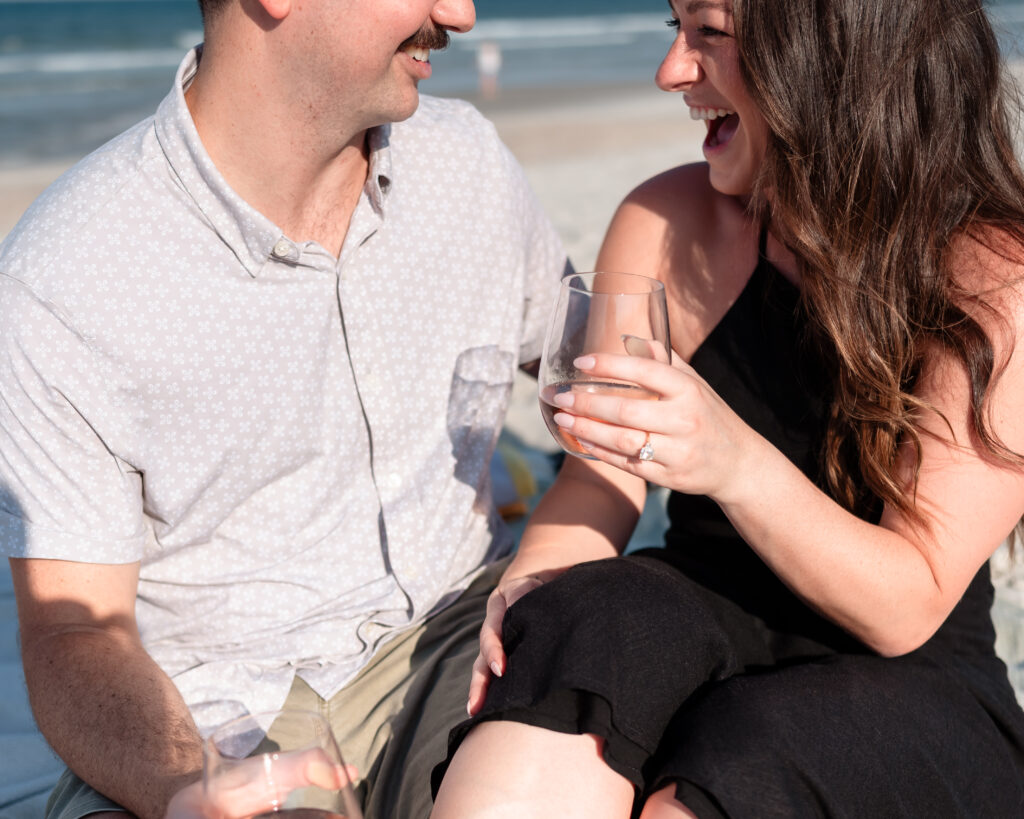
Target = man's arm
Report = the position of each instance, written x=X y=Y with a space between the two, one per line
x=107 y=709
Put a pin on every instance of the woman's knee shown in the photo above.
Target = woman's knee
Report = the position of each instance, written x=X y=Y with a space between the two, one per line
x=524 y=768
x=616 y=601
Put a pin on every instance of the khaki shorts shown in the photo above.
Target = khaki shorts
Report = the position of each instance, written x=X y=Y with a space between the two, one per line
x=391 y=721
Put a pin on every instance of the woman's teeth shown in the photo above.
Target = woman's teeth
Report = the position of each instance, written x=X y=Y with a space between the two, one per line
x=709 y=113
x=421 y=55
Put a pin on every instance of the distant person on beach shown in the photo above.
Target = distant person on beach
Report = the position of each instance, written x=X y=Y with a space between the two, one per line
x=256 y=355
x=488 y=64
x=842 y=429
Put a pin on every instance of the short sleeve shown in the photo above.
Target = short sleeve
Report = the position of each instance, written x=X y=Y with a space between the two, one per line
x=546 y=265
x=64 y=493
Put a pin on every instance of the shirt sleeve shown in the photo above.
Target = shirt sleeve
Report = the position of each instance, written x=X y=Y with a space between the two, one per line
x=545 y=264
x=64 y=493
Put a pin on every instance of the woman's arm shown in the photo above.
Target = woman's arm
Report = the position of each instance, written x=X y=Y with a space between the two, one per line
x=588 y=513
x=890 y=585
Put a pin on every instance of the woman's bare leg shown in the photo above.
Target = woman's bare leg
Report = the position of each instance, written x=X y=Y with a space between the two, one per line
x=664 y=805
x=508 y=769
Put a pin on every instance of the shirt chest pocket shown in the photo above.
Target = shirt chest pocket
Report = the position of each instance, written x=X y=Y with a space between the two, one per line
x=479 y=394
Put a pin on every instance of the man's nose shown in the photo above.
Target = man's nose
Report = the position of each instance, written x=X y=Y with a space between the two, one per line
x=454 y=15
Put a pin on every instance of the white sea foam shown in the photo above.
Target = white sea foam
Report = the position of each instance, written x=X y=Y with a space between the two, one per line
x=75 y=62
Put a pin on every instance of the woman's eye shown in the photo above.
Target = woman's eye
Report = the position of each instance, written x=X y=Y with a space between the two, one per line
x=673 y=23
x=707 y=31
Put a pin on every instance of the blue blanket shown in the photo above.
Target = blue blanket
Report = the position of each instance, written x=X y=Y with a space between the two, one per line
x=28 y=768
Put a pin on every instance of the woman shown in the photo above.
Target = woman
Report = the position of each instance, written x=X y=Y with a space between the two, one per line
x=841 y=431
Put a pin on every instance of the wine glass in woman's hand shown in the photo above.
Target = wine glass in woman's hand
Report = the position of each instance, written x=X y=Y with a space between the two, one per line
x=285 y=763
x=619 y=313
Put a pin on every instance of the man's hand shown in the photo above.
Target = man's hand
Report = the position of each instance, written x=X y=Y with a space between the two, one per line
x=258 y=785
x=99 y=699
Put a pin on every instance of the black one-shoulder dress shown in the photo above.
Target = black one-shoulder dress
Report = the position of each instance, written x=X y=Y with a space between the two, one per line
x=700 y=668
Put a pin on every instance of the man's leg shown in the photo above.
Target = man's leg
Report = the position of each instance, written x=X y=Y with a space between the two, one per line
x=433 y=702
x=391 y=721
x=73 y=799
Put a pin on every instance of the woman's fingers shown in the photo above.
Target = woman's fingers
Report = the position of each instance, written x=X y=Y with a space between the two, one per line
x=490 y=632
x=652 y=371
x=645 y=348
x=635 y=394
x=604 y=439
x=491 y=660
x=479 y=681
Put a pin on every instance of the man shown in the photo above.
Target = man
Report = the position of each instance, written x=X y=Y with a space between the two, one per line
x=256 y=352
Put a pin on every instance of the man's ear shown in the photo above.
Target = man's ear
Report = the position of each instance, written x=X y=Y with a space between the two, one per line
x=276 y=9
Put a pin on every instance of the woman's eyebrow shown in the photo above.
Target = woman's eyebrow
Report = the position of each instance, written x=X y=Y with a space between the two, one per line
x=699 y=5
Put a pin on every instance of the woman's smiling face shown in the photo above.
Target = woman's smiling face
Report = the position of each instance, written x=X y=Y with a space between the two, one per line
x=703 y=64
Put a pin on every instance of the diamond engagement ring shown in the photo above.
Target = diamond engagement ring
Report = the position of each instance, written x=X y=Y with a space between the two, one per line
x=646 y=452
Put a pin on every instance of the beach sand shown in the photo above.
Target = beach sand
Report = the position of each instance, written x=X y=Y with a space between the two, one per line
x=583 y=150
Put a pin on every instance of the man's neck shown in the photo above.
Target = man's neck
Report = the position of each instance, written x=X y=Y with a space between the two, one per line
x=276 y=158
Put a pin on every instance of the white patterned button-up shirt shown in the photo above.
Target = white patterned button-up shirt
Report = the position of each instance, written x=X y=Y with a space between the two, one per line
x=294 y=447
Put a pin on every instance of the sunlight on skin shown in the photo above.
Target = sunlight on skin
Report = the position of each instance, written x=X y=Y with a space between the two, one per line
x=663 y=805
x=495 y=775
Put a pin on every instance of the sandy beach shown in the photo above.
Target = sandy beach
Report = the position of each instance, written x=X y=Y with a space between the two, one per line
x=583 y=150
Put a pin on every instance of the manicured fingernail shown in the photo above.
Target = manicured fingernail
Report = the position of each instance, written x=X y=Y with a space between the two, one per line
x=584 y=362
x=564 y=420
x=564 y=399
x=585 y=444
x=495 y=668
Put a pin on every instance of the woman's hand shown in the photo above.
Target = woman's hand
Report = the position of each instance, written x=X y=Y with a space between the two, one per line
x=695 y=442
x=491 y=660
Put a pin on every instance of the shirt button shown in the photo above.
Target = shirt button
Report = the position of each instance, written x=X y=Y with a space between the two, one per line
x=283 y=249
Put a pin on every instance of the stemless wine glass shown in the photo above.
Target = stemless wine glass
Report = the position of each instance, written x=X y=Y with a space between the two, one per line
x=600 y=313
x=282 y=763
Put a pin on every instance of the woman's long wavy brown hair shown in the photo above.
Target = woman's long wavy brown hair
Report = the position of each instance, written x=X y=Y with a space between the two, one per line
x=891 y=136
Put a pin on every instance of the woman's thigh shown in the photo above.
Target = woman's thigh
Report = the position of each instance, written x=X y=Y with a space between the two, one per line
x=613 y=648
x=848 y=736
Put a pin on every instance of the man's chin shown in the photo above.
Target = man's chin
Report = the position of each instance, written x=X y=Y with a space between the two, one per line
x=401 y=109
x=408 y=109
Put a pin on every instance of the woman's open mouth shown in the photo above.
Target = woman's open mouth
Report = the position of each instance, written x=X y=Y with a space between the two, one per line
x=722 y=125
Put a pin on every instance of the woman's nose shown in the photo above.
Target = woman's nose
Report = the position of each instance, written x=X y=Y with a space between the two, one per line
x=680 y=69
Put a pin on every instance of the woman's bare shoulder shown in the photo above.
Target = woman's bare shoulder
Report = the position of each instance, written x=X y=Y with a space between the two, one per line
x=700 y=243
x=668 y=217
x=683 y=191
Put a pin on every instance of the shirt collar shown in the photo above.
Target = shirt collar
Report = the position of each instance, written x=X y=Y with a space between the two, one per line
x=251 y=236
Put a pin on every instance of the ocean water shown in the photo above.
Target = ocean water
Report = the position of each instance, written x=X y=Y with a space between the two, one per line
x=74 y=73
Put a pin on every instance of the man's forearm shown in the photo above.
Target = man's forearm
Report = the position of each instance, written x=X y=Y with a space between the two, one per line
x=113 y=716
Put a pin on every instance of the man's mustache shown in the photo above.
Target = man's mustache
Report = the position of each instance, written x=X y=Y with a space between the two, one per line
x=435 y=39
